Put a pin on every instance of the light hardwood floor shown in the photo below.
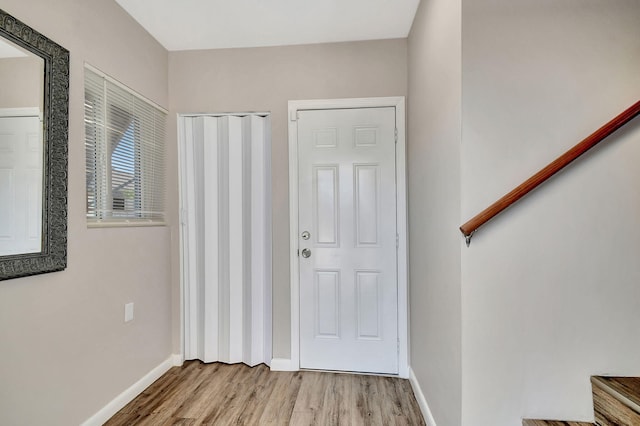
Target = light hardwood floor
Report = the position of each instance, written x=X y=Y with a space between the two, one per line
x=221 y=394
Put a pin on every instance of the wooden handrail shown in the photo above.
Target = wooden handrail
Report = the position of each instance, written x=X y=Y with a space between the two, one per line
x=552 y=168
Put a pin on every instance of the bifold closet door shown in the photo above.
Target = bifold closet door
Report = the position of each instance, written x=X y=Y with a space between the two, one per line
x=226 y=238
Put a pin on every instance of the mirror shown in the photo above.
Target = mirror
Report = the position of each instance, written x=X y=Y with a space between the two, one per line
x=34 y=93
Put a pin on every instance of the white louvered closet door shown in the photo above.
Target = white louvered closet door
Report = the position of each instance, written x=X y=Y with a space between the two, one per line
x=226 y=238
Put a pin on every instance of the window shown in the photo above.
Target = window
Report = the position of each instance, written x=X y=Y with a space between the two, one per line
x=125 y=146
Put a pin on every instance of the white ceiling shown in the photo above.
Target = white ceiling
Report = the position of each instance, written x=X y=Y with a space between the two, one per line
x=213 y=24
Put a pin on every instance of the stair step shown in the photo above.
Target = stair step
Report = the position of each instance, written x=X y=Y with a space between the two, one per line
x=616 y=400
x=530 y=422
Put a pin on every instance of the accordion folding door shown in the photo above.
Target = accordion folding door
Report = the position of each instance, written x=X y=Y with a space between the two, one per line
x=225 y=194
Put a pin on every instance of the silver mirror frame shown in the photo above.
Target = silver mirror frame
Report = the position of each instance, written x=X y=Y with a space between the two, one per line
x=53 y=256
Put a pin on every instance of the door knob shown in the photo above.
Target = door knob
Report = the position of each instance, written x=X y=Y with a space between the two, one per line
x=306 y=253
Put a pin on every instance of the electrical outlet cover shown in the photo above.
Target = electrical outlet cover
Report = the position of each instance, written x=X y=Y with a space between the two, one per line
x=128 y=312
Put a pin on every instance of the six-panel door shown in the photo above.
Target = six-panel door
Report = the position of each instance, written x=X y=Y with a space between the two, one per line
x=20 y=185
x=347 y=205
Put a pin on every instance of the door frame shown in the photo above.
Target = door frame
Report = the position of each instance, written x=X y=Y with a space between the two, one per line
x=397 y=102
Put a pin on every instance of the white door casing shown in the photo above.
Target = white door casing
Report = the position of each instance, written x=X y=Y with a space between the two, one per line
x=348 y=299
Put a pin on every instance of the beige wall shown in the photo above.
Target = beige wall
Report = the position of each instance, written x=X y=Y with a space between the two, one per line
x=64 y=347
x=264 y=79
x=545 y=296
x=550 y=289
x=22 y=82
x=434 y=205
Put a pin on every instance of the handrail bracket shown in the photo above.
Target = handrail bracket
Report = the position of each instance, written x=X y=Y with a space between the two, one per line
x=467 y=238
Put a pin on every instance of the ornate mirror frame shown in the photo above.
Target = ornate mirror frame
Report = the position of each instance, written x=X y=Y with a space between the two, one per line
x=53 y=256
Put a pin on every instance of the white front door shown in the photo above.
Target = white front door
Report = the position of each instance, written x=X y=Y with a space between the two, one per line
x=20 y=185
x=348 y=239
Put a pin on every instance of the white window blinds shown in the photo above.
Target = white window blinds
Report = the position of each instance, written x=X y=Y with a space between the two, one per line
x=125 y=149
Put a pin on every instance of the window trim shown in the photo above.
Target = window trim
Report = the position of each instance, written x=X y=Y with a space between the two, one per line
x=123 y=223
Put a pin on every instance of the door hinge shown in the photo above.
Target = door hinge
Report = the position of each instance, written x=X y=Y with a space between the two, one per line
x=397 y=241
x=398 y=345
x=294 y=115
x=395 y=135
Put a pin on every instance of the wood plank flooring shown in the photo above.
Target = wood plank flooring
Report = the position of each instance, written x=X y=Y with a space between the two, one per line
x=628 y=388
x=221 y=394
x=616 y=400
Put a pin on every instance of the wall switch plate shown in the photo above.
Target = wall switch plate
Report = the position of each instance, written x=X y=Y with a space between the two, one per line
x=128 y=312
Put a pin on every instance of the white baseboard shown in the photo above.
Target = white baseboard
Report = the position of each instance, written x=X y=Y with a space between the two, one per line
x=134 y=390
x=422 y=402
x=177 y=360
x=282 y=364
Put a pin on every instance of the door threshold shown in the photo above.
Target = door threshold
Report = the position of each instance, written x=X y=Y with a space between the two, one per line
x=357 y=373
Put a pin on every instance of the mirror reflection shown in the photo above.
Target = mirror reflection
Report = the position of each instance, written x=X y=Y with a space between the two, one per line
x=21 y=150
